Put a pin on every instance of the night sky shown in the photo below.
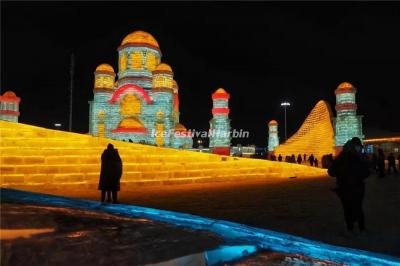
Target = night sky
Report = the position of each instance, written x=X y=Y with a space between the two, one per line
x=261 y=53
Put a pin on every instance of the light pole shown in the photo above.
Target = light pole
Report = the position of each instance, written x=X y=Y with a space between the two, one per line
x=57 y=126
x=285 y=105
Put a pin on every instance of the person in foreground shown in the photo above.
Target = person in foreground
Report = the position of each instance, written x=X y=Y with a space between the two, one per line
x=110 y=174
x=350 y=169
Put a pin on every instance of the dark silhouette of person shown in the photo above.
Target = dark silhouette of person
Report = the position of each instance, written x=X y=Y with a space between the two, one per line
x=329 y=160
x=280 y=158
x=350 y=170
x=398 y=160
x=316 y=162
x=293 y=159
x=305 y=157
x=299 y=159
x=311 y=159
x=391 y=163
x=110 y=174
x=381 y=163
x=374 y=162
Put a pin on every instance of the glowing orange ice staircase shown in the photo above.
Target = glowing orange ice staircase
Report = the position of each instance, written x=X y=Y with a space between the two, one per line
x=315 y=136
x=34 y=156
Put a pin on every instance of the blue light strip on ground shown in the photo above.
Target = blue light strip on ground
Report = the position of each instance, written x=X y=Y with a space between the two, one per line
x=264 y=239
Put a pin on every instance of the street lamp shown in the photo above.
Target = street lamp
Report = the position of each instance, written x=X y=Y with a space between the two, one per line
x=57 y=126
x=285 y=105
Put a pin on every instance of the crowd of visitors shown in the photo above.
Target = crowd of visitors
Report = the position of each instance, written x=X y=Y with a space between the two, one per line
x=379 y=162
x=304 y=159
x=382 y=164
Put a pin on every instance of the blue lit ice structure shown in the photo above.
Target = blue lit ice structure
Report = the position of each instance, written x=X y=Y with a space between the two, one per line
x=228 y=253
x=262 y=238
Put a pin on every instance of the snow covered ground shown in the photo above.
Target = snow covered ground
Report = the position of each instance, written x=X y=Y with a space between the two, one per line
x=304 y=207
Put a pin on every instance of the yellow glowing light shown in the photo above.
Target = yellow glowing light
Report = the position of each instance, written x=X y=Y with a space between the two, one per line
x=345 y=85
x=122 y=62
x=33 y=157
x=175 y=86
x=130 y=105
x=315 y=136
x=159 y=136
x=130 y=123
x=378 y=140
x=220 y=90
x=105 y=67
x=163 y=67
x=140 y=37
x=180 y=127
x=135 y=60
x=104 y=82
x=151 y=61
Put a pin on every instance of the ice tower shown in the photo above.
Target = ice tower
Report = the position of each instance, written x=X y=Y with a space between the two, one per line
x=220 y=138
x=347 y=123
x=9 y=106
x=273 y=139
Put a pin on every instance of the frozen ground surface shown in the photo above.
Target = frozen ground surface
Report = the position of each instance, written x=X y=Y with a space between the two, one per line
x=302 y=207
x=233 y=233
x=78 y=237
x=43 y=235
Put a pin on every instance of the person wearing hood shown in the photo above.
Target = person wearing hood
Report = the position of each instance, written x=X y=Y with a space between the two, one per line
x=110 y=174
x=350 y=169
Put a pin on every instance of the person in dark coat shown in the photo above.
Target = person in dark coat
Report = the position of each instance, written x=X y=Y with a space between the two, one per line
x=391 y=163
x=316 y=162
x=350 y=170
x=280 y=158
x=299 y=159
x=381 y=163
x=110 y=174
x=374 y=162
x=311 y=159
x=293 y=159
x=398 y=160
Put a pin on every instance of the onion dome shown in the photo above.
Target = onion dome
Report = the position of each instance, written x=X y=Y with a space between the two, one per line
x=105 y=67
x=180 y=127
x=9 y=96
x=273 y=123
x=220 y=94
x=140 y=37
x=163 y=68
x=104 y=77
x=345 y=87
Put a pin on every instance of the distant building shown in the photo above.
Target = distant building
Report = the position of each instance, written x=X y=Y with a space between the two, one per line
x=9 y=106
x=380 y=139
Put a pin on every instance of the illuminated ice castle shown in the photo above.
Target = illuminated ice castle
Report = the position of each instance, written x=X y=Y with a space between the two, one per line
x=347 y=123
x=220 y=135
x=142 y=104
x=273 y=139
x=9 y=106
x=318 y=135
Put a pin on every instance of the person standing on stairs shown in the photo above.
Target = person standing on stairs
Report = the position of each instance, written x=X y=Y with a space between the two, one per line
x=110 y=174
